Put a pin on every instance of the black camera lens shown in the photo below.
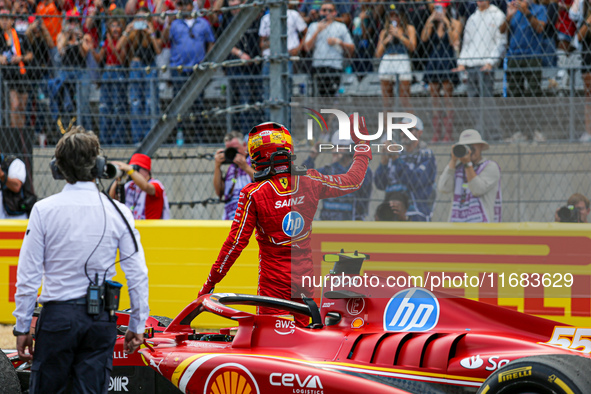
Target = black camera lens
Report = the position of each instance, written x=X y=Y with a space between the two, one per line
x=568 y=214
x=460 y=150
x=229 y=155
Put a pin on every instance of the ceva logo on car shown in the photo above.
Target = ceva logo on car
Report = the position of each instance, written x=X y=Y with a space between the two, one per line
x=411 y=310
x=291 y=380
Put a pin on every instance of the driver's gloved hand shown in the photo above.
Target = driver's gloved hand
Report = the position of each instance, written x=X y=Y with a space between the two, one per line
x=206 y=289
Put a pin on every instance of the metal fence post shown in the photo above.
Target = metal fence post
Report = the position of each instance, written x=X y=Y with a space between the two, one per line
x=278 y=70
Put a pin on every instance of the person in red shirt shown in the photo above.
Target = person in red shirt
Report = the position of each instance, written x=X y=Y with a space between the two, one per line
x=281 y=204
x=144 y=195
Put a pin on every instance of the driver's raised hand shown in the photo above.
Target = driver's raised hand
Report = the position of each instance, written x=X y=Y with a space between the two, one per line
x=362 y=128
x=206 y=289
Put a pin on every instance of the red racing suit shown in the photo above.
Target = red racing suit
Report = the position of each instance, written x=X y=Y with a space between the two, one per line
x=282 y=209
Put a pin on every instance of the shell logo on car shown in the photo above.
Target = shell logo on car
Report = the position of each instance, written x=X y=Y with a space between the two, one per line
x=231 y=378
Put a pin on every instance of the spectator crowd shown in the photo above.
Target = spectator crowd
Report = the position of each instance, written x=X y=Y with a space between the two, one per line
x=57 y=48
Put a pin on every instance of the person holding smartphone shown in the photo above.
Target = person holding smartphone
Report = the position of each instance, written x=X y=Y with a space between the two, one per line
x=441 y=34
x=143 y=45
x=396 y=43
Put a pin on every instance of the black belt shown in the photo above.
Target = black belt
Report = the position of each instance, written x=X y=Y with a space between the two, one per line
x=77 y=301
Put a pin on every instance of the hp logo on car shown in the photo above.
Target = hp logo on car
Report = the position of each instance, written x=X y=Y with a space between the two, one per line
x=412 y=310
x=293 y=224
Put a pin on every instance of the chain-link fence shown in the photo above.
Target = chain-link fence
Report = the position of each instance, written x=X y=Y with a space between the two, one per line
x=122 y=70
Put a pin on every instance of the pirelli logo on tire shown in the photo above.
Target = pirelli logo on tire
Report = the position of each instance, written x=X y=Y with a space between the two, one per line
x=515 y=374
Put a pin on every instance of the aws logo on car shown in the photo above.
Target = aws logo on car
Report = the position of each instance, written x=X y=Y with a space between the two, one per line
x=411 y=310
x=292 y=224
x=284 y=327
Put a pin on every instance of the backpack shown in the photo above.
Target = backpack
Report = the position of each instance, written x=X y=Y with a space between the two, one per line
x=19 y=203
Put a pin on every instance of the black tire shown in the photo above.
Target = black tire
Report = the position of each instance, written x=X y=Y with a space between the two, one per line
x=9 y=383
x=547 y=374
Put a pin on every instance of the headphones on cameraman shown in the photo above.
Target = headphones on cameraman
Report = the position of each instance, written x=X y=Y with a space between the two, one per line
x=102 y=169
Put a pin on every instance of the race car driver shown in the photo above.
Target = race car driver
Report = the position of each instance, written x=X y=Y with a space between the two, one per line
x=281 y=203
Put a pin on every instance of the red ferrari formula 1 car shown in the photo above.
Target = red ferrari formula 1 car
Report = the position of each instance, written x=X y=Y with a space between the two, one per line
x=414 y=341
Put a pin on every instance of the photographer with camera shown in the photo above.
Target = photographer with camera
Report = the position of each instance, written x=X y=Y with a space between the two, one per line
x=144 y=195
x=576 y=210
x=239 y=173
x=475 y=182
x=71 y=245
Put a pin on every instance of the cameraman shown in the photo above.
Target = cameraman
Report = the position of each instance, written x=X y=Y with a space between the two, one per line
x=239 y=173
x=474 y=182
x=70 y=244
x=575 y=211
x=144 y=195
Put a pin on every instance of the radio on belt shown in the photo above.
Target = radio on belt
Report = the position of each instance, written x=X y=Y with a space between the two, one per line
x=94 y=297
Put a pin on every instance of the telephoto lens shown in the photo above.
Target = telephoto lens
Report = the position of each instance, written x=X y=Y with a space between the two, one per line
x=229 y=155
x=460 y=150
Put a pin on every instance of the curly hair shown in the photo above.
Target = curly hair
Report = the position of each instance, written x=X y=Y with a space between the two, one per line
x=76 y=154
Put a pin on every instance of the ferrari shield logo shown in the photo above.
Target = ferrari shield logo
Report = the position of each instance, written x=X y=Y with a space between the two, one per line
x=283 y=182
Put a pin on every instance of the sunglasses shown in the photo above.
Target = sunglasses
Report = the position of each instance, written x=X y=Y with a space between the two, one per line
x=327 y=10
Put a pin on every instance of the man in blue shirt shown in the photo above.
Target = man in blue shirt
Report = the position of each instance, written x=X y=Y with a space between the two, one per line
x=525 y=22
x=190 y=40
x=413 y=172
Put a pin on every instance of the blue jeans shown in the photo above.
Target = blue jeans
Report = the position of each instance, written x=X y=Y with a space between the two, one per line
x=245 y=90
x=143 y=96
x=69 y=94
x=112 y=106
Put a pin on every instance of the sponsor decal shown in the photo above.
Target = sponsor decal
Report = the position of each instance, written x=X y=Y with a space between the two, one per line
x=284 y=327
x=357 y=323
x=265 y=133
x=515 y=374
x=284 y=183
x=289 y=202
x=571 y=338
x=311 y=384
x=493 y=363
x=472 y=362
x=355 y=306
x=411 y=310
x=327 y=304
x=119 y=355
x=231 y=378
x=118 y=383
x=293 y=224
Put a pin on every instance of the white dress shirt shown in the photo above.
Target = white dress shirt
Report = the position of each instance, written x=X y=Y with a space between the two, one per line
x=483 y=41
x=62 y=233
x=18 y=171
x=295 y=25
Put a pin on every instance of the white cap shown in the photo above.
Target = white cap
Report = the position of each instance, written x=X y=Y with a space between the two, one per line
x=471 y=136
x=336 y=141
x=418 y=126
